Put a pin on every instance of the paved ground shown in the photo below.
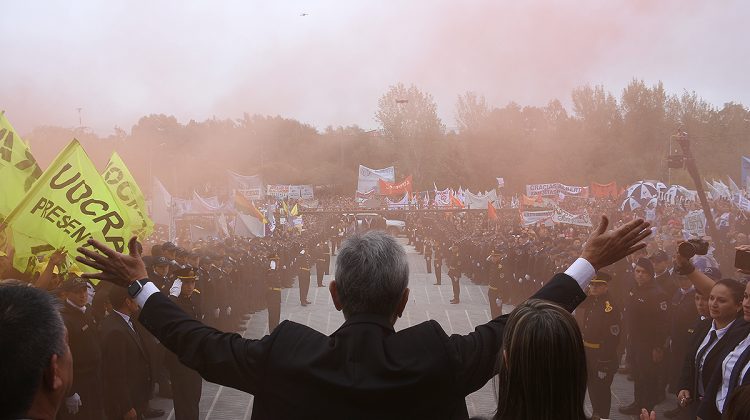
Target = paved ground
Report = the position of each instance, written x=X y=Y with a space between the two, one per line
x=426 y=302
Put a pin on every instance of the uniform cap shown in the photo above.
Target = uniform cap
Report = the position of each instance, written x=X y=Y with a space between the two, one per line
x=601 y=277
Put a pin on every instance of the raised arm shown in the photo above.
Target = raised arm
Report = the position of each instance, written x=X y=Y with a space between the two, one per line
x=223 y=358
x=477 y=352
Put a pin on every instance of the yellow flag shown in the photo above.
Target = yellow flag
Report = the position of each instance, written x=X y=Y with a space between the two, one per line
x=295 y=210
x=123 y=187
x=68 y=204
x=18 y=168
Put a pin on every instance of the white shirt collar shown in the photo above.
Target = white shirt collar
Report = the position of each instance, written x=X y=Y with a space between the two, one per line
x=80 y=308
x=125 y=317
x=720 y=332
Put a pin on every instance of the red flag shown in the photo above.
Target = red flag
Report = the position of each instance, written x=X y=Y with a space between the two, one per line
x=491 y=213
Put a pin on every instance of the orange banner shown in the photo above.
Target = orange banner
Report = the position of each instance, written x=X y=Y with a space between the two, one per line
x=393 y=188
x=604 y=190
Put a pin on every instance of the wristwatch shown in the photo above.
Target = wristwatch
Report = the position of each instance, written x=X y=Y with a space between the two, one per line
x=136 y=287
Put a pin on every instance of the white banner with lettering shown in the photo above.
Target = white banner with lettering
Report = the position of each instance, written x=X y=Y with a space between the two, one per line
x=556 y=189
x=694 y=224
x=368 y=178
x=562 y=216
x=534 y=217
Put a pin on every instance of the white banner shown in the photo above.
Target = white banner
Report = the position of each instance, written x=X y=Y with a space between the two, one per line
x=252 y=194
x=556 y=189
x=368 y=178
x=475 y=201
x=694 y=224
x=562 y=216
x=306 y=192
x=243 y=182
x=443 y=198
x=295 y=192
x=533 y=217
x=279 y=191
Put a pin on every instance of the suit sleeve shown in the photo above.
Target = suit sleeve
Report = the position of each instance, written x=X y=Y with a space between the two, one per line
x=115 y=370
x=687 y=373
x=223 y=358
x=477 y=353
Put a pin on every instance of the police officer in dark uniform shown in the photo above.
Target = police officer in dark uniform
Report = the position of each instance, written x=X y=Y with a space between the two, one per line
x=454 y=272
x=159 y=274
x=273 y=291
x=304 y=262
x=320 y=262
x=646 y=313
x=428 y=255
x=438 y=263
x=186 y=383
x=84 y=401
x=601 y=335
x=495 y=271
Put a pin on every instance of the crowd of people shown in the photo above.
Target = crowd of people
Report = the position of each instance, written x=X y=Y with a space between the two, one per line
x=673 y=324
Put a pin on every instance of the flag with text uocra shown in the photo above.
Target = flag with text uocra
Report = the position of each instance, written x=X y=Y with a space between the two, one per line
x=123 y=187
x=68 y=204
x=18 y=168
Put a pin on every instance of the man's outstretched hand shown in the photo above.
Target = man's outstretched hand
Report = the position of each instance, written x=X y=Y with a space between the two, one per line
x=604 y=248
x=114 y=267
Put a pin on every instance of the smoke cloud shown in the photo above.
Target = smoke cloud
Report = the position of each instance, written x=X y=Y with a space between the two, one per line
x=120 y=60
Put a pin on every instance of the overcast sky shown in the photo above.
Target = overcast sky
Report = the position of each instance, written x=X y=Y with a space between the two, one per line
x=120 y=60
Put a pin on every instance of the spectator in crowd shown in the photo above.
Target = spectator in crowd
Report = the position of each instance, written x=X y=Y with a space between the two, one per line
x=725 y=303
x=531 y=384
x=36 y=371
x=365 y=369
x=126 y=370
x=731 y=372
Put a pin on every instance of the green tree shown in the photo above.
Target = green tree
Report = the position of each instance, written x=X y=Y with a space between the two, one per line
x=408 y=118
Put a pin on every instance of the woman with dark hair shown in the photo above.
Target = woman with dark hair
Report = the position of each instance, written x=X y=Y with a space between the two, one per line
x=725 y=309
x=733 y=362
x=542 y=373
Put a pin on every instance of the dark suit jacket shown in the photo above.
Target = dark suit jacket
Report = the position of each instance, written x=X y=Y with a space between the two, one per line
x=125 y=368
x=83 y=337
x=697 y=334
x=739 y=330
x=363 y=370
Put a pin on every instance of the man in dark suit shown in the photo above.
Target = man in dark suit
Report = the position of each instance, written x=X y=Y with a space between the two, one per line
x=125 y=369
x=365 y=369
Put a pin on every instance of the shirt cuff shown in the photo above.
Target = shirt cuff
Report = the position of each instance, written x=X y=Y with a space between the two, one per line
x=146 y=292
x=582 y=272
